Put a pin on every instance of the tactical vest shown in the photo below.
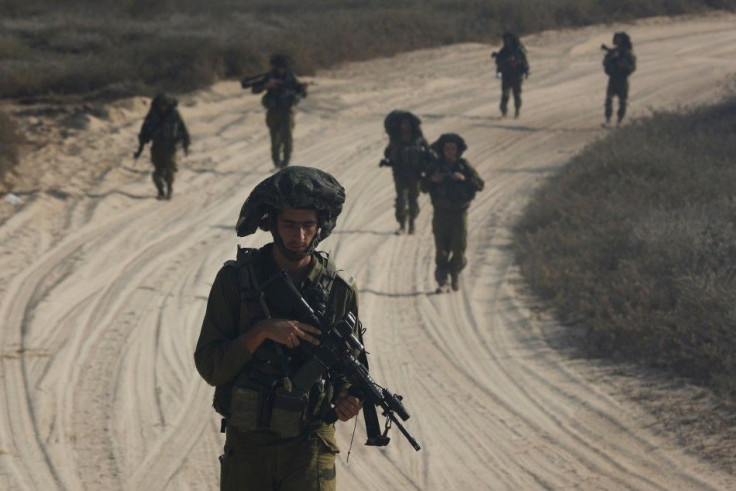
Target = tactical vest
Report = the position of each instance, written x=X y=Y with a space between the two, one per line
x=260 y=397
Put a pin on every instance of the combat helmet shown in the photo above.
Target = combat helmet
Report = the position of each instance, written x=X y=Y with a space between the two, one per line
x=293 y=187
x=513 y=38
x=164 y=98
x=392 y=123
x=279 y=61
x=438 y=145
x=624 y=41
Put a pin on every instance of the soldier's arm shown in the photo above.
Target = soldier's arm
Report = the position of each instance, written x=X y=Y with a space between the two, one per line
x=221 y=350
x=144 y=135
x=185 y=141
x=425 y=183
x=299 y=86
x=473 y=178
x=259 y=87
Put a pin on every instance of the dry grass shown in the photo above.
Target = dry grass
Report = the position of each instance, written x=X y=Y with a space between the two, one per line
x=106 y=48
x=10 y=141
x=636 y=241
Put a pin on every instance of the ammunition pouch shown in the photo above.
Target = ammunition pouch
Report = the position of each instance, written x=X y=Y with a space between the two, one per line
x=268 y=409
x=289 y=412
x=280 y=99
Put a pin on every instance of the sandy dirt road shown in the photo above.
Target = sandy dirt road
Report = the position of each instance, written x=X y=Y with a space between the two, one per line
x=103 y=288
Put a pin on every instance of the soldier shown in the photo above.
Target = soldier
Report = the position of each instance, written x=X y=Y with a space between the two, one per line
x=283 y=92
x=618 y=63
x=452 y=184
x=249 y=345
x=407 y=154
x=165 y=128
x=511 y=66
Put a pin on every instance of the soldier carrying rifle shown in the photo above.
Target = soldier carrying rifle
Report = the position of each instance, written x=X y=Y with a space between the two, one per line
x=165 y=129
x=511 y=66
x=283 y=92
x=407 y=154
x=618 y=63
x=253 y=344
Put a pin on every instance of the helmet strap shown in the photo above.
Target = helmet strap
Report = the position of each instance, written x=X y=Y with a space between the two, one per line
x=291 y=255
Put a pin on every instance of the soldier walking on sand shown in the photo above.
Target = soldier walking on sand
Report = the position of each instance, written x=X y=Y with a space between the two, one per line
x=275 y=418
x=407 y=154
x=452 y=184
x=618 y=63
x=283 y=92
x=512 y=67
x=165 y=129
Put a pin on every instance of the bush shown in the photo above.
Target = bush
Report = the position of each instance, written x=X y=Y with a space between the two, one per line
x=636 y=241
x=10 y=141
x=176 y=45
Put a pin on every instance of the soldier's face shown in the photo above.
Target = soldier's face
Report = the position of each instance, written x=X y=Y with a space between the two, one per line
x=405 y=127
x=297 y=228
x=449 y=150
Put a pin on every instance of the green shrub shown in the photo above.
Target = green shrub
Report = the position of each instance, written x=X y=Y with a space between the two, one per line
x=10 y=141
x=636 y=240
x=186 y=44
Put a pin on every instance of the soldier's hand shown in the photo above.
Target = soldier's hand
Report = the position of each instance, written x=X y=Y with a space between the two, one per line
x=272 y=82
x=458 y=176
x=288 y=332
x=347 y=407
x=437 y=177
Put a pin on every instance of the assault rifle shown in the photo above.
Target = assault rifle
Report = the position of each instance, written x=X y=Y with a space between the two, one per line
x=335 y=352
x=606 y=48
x=249 y=82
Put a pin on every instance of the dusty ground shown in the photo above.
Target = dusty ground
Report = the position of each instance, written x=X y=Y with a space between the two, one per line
x=103 y=287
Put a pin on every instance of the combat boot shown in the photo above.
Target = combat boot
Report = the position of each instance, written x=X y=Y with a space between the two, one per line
x=402 y=228
x=411 y=226
x=443 y=288
x=169 y=191
x=160 y=194
x=516 y=113
x=455 y=281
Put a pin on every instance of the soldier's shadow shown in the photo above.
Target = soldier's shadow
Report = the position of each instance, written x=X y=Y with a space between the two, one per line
x=363 y=232
x=395 y=295
x=137 y=171
x=123 y=193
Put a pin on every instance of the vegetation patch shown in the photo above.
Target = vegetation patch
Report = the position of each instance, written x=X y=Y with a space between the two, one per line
x=10 y=141
x=114 y=48
x=635 y=240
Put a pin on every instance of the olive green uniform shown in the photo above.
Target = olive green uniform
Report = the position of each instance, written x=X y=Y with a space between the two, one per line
x=451 y=200
x=512 y=65
x=279 y=102
x=165 y=131
x=618 y=64
x=407 y=159
x=262 y=460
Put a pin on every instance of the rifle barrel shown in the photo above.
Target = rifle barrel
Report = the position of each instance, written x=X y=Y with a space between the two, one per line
x=404 y=431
